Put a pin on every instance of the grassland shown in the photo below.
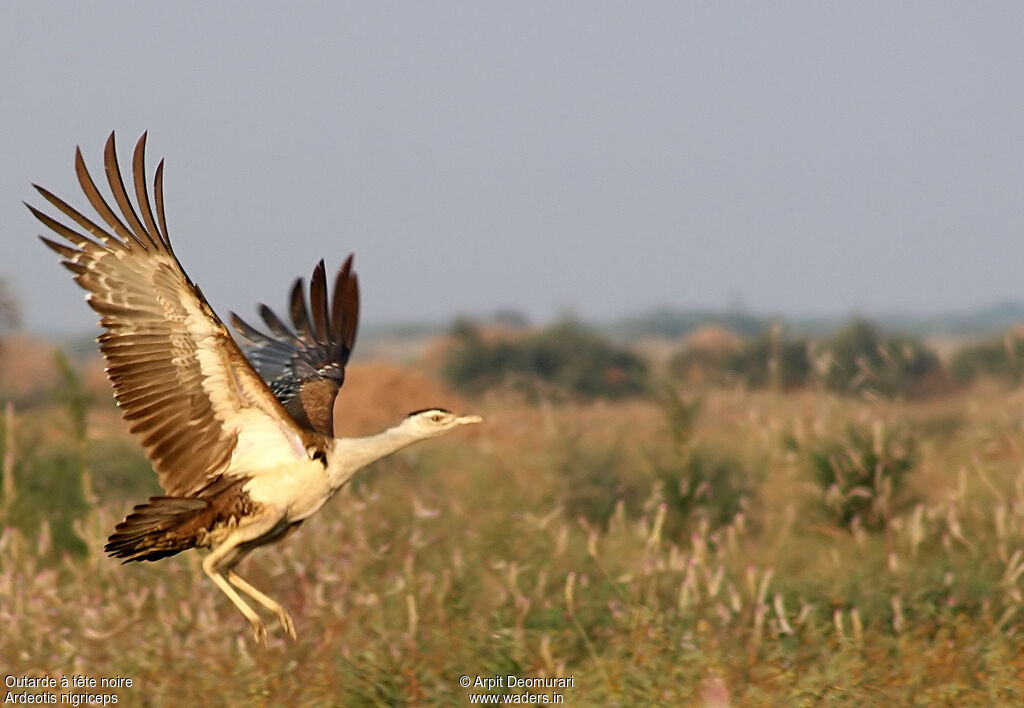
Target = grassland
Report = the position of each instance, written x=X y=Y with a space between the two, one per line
x=559 y=541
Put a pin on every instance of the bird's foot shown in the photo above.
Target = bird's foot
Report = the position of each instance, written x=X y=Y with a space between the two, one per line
x=259 y=632
x=286 y=623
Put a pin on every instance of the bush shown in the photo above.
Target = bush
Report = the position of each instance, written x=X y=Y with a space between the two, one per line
x=704 y=484
x=861 y=360
x=693 y=481
x=706 y=356
x=122 y=471
x=1002 y=358
x=562 y=359
x=772 y=360
x=48 y=489
x=700 y=365
x=50 y=496
x=863 y=474
x=595 y=478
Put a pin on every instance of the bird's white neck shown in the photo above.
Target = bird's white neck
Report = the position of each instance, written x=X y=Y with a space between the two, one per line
x=349 y=455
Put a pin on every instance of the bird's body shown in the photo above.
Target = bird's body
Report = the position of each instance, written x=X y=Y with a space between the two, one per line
x=242 y=461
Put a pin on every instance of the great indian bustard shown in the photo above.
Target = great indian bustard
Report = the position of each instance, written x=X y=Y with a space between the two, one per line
x=242 y=463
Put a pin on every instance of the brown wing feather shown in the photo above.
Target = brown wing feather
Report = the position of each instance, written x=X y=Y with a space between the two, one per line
x=305 y=369
x=177 y=374
x=345 y=306
x=318 y=303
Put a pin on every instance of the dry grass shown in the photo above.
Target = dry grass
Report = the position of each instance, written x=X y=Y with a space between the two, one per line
x=457 y=557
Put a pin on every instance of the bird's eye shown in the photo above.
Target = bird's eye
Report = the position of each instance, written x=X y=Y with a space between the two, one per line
x=436 y=418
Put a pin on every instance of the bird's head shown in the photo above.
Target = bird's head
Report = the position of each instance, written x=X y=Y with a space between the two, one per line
x=434 y=422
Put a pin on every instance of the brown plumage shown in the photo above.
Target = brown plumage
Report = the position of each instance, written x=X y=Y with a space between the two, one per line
x=145 y=300
x=242 y=464
x=164 y=526
x=306 y=368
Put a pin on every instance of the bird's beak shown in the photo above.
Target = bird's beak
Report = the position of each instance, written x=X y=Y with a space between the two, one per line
x=467 y=419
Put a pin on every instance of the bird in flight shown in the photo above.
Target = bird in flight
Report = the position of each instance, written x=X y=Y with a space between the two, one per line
x=244 y=448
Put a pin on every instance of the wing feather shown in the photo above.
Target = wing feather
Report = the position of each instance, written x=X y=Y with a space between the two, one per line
x=274 y=323
x=158 y=195
x=99 y=203
x=178 y=376
x=345 y=308
x=318 y=303
x=299 y=312
x=142 y=194
x=306 y=368
x=113 y=170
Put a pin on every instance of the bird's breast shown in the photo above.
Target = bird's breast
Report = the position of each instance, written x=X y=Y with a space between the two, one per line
x=298 y=489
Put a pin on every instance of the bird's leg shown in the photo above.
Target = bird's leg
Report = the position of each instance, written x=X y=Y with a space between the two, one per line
x=210 y=567
x=222 y=557
x=282 y=614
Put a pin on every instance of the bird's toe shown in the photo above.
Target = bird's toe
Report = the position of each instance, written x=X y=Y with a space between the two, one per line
x=287 y=624
x=259 y=632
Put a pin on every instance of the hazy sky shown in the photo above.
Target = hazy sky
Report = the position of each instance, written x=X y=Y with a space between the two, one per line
x=598 y=158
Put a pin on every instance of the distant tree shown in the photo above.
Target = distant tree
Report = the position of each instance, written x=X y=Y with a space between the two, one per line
x=564 y=358
x=773 y=359
x=702 y=364
x=861 y=359
x=999 y=357
x=465 y=330
x=510 y=318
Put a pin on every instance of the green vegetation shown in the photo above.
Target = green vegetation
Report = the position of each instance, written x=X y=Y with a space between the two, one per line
x=658 y=551
x=862 y=360
x=863 y=474
x=697 y=483
x=856 y=359
x=703 y=365
x=565 y=359
x=568 y=360
x=772 y=360
x=10 y=308
x=596 y=478
x=1000 y=357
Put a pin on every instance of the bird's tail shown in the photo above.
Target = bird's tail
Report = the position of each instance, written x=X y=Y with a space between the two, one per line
x=161 y=527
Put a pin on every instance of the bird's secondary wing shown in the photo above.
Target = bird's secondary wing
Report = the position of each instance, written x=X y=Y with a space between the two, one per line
x=305 y=368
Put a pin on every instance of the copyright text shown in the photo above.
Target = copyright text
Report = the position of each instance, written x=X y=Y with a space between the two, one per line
x=496 y=689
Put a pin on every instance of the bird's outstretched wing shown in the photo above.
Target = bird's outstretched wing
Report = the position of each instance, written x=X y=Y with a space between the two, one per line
x=305 y=368
x=179 y=378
